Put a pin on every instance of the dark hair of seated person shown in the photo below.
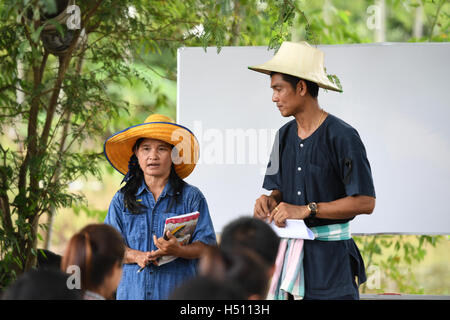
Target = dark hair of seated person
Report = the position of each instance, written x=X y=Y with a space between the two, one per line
x=207 y=288
x=47 y=259
x=253 y=234
x=42 y=284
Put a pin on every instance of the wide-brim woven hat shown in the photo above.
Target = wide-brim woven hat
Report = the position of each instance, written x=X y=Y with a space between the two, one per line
x=118 y=147
x=301 y=60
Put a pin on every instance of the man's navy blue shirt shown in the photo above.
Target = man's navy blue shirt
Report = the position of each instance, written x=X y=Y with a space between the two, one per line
x=328 y=165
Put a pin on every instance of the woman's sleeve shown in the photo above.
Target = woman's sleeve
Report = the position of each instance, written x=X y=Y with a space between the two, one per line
x=114 y=216
x=204 y=231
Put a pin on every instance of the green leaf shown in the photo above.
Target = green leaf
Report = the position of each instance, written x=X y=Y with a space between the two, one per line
x=344 y=16
x=59 y=28
x=36 y=34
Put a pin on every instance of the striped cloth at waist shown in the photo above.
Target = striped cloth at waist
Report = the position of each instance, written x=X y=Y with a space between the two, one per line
x=288 y=276
x=332 y=232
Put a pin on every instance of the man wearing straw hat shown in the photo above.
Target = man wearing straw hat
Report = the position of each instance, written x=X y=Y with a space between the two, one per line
x=323 y=178
x=155 y=157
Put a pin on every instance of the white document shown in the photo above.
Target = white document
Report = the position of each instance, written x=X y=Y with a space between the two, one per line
x=295 y=229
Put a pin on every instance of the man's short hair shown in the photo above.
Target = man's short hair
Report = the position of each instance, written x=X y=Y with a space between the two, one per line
x=312 y=87
x=253 y=234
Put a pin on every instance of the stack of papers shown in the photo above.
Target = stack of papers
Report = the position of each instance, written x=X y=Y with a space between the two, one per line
x=294 y=229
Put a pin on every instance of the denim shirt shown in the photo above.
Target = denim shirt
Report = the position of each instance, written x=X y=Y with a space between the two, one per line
x=155 y=283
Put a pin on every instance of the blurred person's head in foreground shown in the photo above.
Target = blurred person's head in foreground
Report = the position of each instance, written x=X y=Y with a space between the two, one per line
x=47 y=259
x=241 y=266
x=207 y=288
x=253 y=234
x=42 y=284
x=98 y=251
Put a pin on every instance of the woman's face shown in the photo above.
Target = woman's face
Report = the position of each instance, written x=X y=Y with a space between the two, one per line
x=154 y=157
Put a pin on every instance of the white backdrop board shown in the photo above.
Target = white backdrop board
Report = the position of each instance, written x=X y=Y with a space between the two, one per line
x=395 y=94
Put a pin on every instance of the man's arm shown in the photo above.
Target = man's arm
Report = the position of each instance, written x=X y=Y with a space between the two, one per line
x=344 y=208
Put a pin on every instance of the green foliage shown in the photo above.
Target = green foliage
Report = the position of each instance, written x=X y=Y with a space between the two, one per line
x=394 y=255
x=92 y=213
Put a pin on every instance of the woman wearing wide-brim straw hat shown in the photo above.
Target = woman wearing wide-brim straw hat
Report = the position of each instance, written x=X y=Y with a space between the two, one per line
x=155 y=157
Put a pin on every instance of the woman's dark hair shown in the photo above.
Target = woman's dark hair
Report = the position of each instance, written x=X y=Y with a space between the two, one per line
x=96 y=249
x=312 y=87
x=135 y=180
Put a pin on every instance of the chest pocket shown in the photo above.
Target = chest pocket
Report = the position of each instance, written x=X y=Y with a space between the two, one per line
x=135 y=230
x=320 y=175
x=320 y=165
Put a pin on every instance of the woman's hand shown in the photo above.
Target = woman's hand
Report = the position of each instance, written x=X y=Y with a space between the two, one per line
x=170 y=247
x=142 y=258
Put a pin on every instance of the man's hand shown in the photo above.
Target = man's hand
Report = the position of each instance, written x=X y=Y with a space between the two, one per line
x=264 y=206
x=287 y=211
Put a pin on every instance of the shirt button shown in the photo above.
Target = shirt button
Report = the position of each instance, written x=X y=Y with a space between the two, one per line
x=299 y=169
x=299 y=192
x=301 y=145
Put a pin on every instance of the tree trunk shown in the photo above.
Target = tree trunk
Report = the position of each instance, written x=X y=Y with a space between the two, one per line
x=236 y=26
x=418 y=22
x=380 y=30
x=52 y=211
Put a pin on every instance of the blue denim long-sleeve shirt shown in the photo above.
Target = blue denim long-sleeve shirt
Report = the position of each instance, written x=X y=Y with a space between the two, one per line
x=155 y=283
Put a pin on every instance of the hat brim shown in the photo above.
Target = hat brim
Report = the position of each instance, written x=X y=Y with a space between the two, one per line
x=323 y=82
x=118 y=147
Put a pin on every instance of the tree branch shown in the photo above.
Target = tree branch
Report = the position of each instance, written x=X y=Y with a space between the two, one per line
x=4 y=199
x=64 y=62
x=293 y=5
x=435 y=19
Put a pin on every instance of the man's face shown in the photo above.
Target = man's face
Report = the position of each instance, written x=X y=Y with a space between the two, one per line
x=286 y=98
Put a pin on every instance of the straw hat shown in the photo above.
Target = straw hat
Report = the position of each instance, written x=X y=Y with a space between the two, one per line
x=118 y=147
x=299 y=60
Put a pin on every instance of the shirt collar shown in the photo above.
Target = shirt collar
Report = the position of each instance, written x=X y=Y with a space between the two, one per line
x=168 y=189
